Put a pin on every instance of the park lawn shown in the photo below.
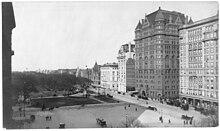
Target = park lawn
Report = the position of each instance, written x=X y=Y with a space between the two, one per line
x=106 y=99
x=62 y=101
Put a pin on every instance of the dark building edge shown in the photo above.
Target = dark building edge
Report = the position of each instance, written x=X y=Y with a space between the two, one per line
x=8 y=24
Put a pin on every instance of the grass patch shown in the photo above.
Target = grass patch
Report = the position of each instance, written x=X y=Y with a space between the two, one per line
x=64 y=101
x=106 y=99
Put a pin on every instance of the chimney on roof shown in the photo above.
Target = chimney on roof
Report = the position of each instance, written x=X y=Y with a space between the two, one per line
x=190 y=21
x=159 y=8
x=186 y=20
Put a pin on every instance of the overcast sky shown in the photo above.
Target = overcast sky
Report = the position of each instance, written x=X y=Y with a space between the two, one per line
x=55 y=35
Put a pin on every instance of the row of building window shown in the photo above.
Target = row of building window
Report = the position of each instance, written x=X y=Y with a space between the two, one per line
x=200 y=93
x=210 y=43
x=193 y=32
x=210 y=65
x=210 y=50
x=210 y=35
x=195 y=65
x=195 y=38
x=209 y=28
x=210 y=57
x=195 y=46
x=195 y=52
x=195 y=59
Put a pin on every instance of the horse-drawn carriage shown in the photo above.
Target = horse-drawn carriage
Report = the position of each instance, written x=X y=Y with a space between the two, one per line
x=187 y=117
x=152 y=108
x=101 y=122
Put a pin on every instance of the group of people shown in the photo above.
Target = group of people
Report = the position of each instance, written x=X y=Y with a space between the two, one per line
x=187 y=122
x=161 y=120
x=129 y=106
x=48 y=118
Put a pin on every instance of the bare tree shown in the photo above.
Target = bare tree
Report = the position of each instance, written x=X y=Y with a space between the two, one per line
x=211 y=119
x=131 y=122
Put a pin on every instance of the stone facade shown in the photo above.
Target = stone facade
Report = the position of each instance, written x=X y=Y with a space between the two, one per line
x=109 y=76
x=157 y=54
x=199 y=62
x=95 y=76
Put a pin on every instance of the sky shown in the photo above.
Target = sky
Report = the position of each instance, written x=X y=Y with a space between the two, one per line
x=67 y=35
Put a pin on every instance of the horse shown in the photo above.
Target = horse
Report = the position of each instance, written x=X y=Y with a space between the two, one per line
x=51 y=108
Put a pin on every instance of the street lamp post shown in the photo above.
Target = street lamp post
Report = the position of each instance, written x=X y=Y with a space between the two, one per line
x=126 y=124
x=24 y=97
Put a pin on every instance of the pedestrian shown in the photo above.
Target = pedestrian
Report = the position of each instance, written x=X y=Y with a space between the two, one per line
x=169 y=121
x=20 y=110
x=47 y=118
x=125 y=107
x=50 y=117
x=184 y=122
x=146 y=102
x=136 y=109
x=128 y=105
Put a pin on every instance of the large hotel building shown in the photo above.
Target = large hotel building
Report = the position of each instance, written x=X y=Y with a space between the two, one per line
x=199 y=62
x=157 y=54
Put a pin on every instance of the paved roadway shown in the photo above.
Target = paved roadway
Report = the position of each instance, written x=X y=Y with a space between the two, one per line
x=163 y=109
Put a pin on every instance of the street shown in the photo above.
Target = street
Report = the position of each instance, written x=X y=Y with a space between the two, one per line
x=171 y=112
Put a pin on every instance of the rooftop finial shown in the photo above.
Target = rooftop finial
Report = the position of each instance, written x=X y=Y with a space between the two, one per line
x=170 y=19
x=190 y=21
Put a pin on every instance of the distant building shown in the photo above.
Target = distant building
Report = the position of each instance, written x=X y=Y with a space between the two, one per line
x=199 y=62
x=109 y=76
x=96 y=73
x=63 y=71
x=157 y=54
x=124 y=71
x=8 y=24
x=86 y=73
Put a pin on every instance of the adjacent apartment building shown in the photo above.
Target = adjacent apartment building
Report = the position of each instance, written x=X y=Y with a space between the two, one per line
x=126 y=68
x=157 y=54
x=199 y=62
x=109 y=76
